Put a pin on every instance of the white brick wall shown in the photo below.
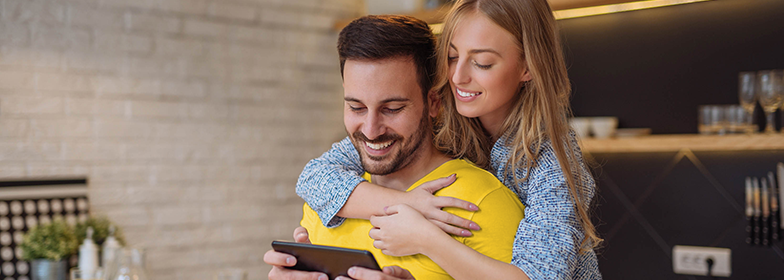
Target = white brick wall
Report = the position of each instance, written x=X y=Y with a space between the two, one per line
x=191 y=118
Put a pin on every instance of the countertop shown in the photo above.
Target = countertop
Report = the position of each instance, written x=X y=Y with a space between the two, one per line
x=677 y=142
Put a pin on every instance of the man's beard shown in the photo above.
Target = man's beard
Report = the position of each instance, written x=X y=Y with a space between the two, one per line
x=406 y=154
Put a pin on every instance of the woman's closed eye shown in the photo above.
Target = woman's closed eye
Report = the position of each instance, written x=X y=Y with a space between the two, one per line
x=482 y=66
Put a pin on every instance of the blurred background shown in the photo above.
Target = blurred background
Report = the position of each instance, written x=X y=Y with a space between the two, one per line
x=187 y=122
x=190 y=119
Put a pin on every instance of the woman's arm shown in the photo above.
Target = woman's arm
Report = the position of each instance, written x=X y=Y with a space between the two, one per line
x=406 y=232
x=333 y=187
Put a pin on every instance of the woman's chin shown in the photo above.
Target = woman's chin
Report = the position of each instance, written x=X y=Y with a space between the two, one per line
x=467 y=112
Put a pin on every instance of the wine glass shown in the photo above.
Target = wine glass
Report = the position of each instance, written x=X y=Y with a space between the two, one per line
x=770 y=96
x=747 y=94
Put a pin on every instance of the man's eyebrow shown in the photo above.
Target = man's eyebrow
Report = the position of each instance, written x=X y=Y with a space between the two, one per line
x=391 y=99
x=479 y=50
x=395 y=99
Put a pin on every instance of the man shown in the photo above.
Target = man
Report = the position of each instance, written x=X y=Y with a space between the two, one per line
x=387 y=65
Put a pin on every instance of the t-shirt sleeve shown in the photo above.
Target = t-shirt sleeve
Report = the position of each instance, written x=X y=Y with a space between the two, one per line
x=499 y=216
x=326 y=182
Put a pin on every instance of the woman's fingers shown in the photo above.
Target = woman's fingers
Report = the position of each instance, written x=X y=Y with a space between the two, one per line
x=279 y=259
x=399 y=272
x=301 y=235
x=447 y=201
x=453 y=230
x=437 y=184
x=361 y=273
x=452 y=219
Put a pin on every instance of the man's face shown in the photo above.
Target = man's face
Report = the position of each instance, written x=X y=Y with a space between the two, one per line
x=385 y=115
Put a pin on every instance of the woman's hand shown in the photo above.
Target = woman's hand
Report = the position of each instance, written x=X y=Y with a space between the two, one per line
x=422 y=199
x=388 y=273
x=404 y=231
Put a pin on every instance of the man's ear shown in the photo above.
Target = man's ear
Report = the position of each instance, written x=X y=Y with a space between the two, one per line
x=434 y=103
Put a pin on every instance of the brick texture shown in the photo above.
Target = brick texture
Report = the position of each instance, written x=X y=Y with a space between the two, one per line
x=191 y=118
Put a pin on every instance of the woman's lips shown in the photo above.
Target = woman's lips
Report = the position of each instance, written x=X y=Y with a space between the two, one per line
x=466 y=95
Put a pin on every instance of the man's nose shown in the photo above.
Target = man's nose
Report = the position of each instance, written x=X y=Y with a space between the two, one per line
x=373 y=126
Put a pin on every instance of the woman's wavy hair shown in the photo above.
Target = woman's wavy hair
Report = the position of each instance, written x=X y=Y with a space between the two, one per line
x=541 y=110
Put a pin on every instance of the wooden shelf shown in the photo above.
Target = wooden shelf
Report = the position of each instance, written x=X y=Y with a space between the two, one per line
x=677 y=142
x=437 y=15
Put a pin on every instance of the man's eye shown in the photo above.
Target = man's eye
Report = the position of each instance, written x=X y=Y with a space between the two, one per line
x=356 y=109
x=394 y=110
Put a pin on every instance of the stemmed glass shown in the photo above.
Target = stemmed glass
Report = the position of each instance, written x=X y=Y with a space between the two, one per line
x=770 y=96
x=747 y=94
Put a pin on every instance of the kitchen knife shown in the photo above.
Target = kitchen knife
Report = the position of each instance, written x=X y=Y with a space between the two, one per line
x=749 y=211
x=774 y=208
x=781 y=193
x=765 y=212
x=757 y=211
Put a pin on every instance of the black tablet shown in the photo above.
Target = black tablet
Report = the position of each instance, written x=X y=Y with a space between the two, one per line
x=333 y=261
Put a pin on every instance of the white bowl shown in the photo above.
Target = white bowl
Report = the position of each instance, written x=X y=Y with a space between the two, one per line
x=604 y=127
x=581 y=126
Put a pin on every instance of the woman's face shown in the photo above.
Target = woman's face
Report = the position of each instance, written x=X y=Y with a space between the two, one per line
x=485 y=69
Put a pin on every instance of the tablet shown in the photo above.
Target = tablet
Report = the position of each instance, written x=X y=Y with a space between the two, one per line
x=333 y=261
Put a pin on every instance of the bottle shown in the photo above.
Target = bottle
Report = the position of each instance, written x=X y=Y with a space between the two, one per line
x=88 y=255
x=111 y=247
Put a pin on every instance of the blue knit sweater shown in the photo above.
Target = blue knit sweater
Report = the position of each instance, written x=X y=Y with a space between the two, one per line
x=548 y=239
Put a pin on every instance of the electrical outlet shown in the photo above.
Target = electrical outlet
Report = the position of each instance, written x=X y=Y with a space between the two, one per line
x=693 y=260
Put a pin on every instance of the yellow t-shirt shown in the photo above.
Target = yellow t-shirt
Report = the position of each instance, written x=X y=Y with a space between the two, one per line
x=499 y=216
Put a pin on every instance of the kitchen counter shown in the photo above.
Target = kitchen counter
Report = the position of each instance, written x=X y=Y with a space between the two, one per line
x=677 y=142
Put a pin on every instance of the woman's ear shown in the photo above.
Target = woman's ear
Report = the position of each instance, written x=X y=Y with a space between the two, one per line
x=525 y=75
x=434 y=103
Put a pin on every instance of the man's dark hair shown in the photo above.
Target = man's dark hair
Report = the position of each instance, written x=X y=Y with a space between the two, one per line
x=388 y=36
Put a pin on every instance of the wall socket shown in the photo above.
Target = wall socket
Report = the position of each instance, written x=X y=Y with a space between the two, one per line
x=693 y=260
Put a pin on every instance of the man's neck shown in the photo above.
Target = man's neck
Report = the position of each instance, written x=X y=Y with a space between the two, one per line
x=429 y=159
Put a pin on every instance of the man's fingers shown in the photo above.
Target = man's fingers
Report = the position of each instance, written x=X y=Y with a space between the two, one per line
x=279 y=259
x=278 y=273
x=455 y=220
x=438 y=184
x=301 y=235
x=446 y=201
x=367 y=274
x=453 y=230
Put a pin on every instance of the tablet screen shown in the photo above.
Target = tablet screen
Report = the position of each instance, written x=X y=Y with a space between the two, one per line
x=333 y=261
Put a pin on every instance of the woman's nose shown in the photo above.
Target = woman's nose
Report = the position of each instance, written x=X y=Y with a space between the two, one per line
x=460 y=74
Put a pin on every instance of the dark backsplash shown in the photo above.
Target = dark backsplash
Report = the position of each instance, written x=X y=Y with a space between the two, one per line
x=649 y=202
x=653 y=68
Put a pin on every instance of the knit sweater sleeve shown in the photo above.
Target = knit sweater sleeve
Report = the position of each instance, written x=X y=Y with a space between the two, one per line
x=327 y=181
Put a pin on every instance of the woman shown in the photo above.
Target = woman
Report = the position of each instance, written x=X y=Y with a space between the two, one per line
x=505 y=89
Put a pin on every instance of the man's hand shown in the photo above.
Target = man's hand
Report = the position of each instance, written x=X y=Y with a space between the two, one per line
x=281 y=261
x=422 y=199
x=388 y=273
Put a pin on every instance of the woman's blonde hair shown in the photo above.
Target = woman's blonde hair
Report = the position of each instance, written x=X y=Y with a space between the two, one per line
x=540 y=111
